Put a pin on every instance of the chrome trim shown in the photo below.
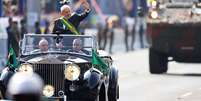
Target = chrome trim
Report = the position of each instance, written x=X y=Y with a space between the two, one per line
x=52 y=74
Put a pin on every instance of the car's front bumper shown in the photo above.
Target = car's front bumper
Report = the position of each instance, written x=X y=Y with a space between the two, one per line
x=75 y=96
x=84 y=93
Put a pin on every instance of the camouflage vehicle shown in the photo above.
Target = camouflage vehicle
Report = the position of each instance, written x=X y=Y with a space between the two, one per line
x=174 y=28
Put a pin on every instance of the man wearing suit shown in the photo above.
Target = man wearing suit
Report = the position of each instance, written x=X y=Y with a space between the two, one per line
x=69 y=19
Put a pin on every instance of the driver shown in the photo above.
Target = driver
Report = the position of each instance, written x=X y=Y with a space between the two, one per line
x=77 y=47
x=43 y=45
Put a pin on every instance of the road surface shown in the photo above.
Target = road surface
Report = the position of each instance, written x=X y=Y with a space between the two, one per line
x=181 y=83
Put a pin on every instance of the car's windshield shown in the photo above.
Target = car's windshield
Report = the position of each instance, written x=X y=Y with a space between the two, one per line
x=34 y=44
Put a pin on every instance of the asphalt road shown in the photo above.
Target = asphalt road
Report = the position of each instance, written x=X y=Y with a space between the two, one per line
x=181 y=83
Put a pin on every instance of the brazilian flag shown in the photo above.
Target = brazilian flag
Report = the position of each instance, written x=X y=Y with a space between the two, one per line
x=12 y=61
x=99 y=63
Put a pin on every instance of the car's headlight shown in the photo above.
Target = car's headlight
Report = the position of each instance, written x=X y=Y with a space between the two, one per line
x=154 y=14
x=72 y=72
x=48 y=90
x=27 y=68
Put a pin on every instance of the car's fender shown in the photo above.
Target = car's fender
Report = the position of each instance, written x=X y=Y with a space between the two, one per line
x=6 y=75
x=93 y=78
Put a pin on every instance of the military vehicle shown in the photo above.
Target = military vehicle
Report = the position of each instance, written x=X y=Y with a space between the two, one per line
x=174 y=28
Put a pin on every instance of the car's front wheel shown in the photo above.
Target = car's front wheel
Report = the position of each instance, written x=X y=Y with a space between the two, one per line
x=158 y=62
x=2 y=91
x=114 y=94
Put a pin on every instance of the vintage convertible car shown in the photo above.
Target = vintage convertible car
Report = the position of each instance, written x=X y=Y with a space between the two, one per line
x=68 y=75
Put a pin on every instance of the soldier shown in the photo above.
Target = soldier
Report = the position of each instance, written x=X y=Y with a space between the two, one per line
x=69 y=22
x=111 y=23
x=140 y=27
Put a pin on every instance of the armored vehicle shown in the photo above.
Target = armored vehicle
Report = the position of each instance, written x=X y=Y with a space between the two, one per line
x=174 y=28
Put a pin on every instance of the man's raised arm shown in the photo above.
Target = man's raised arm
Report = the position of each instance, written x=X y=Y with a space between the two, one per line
x=86 y=5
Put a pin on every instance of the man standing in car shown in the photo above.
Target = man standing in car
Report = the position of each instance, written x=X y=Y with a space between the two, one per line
x=68 y=22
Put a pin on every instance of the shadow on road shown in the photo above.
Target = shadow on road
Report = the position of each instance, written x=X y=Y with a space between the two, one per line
x=185 y=74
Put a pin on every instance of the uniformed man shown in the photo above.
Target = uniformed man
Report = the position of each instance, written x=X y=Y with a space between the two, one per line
x=68 y=22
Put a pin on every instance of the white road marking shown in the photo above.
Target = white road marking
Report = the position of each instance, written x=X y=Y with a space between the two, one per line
x=185 y=95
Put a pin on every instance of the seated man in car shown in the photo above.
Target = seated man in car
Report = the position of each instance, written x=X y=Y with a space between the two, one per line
x=43 y=46
x=77 y=47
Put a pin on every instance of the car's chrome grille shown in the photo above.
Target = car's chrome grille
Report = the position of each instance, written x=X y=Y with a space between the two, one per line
x=52 y=74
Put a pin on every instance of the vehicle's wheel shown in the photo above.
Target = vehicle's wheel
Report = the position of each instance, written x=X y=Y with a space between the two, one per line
x=158 y=62
x=114 y=94
x=118 y=92
x=2 y=91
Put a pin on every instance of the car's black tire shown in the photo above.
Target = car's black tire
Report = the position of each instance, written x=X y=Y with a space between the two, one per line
x=101 y=96
x=2 y=91
x=158 y=62
x=114 y=94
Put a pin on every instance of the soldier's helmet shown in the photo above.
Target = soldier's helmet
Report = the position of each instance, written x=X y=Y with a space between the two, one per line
x=25 y=87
